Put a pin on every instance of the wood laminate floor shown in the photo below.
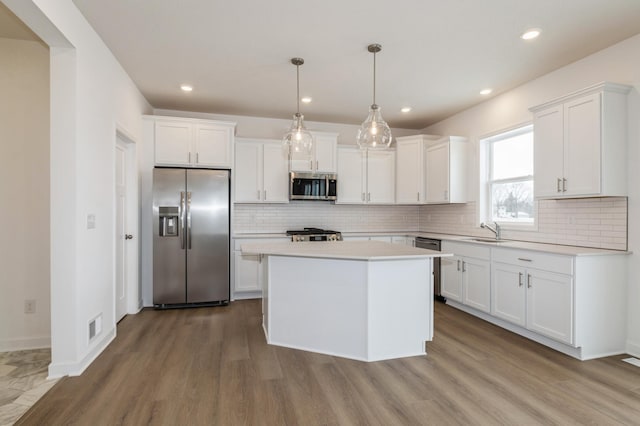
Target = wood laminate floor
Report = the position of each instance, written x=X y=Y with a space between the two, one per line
x=211 y=366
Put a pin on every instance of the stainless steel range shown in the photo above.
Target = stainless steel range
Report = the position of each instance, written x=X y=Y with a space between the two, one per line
x=314 y=234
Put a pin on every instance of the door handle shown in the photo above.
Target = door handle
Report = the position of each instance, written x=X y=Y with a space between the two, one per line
x=128 y=237
x=182 y=214
x=189 y=220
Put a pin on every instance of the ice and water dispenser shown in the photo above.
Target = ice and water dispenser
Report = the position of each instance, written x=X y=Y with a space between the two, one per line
x=169 y=221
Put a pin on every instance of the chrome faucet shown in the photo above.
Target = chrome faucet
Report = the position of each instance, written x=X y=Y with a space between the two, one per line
x=495 y=229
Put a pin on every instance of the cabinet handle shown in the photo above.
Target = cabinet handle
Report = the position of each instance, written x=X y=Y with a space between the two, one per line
x=317 y=166
x=310 y=164
x=464 y=266
x=265 y=195
x=363 y=199
x=520 y=279
x=558 y=185
x=446 y=194
x=458 y=265
x=197 y=157
x=524 y=259
x=418 y=196
x=564 y=185
x=368 y=196
x=189 y=158
x=528 y=280
x=258 y=194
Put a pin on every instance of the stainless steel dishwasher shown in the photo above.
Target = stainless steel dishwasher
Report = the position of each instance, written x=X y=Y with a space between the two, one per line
x=433 y=244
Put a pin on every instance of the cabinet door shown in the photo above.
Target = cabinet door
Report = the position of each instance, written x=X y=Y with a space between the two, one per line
x=350 y=176
x=548 y=152
x=508 y=293
x=582 y=146
x=213 y=145
x=437 y=173
x=325 y=154
x=450 y=278
x=409 y=176
x=248 y=172
x=381 y=177
x=173 y=143
x=476 y=284
x=248 y=276
x=275 y=174
x=550 y=304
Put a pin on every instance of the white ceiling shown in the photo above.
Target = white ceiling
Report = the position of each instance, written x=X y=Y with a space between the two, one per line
x=436 y=54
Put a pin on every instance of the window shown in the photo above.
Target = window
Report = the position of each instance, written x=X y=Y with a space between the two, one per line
x=509 y=191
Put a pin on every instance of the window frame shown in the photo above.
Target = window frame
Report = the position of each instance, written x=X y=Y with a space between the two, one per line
x=487 y=181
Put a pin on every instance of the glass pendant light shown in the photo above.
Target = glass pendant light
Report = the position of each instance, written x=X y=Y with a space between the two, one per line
x=374 y=132
x=298 y=139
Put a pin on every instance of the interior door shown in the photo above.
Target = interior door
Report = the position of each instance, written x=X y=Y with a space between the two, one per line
x=121 y=231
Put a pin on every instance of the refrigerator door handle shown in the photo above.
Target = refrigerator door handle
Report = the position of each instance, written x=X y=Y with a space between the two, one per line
x=189 y=220
x=182 y=213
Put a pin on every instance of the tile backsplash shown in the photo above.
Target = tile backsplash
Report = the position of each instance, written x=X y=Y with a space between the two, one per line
x=586 y=222
x=250 y=218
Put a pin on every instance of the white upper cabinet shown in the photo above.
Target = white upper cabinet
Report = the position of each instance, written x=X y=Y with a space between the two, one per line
x=261 y=172
x=580 y=143
x=446 y=171
x=366 y=176
x=410 y=168
x=323 y=158
x=192 y=143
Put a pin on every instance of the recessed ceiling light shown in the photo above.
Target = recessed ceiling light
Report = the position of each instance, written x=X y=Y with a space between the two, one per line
x=530 y=34
x=406 y=109
x=486 y=91
x=306 y=99
x=186 y=88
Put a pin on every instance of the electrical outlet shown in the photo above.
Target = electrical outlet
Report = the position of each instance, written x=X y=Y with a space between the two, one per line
x=29 y=306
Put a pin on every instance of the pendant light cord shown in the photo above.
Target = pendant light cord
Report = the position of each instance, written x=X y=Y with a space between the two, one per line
x=298 y=87
x=374 y=78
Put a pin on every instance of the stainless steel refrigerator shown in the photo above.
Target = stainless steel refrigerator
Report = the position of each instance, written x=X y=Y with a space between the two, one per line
x=191 y=237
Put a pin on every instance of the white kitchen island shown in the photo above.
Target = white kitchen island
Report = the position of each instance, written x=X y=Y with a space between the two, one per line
x=364 y=300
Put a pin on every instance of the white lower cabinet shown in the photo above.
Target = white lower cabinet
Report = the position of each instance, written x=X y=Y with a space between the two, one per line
x=465 y=277
x=534 y=291
x=248 y=275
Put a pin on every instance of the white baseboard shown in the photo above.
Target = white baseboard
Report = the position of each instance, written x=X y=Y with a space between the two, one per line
x=633 y=348
x=25 y=343
x=75 y=368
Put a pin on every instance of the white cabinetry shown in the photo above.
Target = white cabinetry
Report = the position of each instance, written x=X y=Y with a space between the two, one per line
x=366 y=176
x=261 y=172
x=446 y=166
x=192 y=142
x=580 y=143
x=410 y=168
x=248 y=277
x=534 y=291
x=465 y=277
x=322 y=159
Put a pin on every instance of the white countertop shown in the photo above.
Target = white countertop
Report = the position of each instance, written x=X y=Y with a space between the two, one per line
x=467 y=239
x=347 y=250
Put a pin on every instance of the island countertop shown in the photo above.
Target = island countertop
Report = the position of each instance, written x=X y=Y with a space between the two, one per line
x=347 y=250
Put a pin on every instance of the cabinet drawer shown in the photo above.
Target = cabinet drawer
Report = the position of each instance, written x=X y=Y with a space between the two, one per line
x=529 y=259
x=467 y=250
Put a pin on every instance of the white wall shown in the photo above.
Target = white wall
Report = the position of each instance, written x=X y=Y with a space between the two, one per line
x=620 y=64
x=91 y=97
x=24 y=191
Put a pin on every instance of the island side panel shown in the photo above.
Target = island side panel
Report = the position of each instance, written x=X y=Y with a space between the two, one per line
x=400 y=303
x=318 y=305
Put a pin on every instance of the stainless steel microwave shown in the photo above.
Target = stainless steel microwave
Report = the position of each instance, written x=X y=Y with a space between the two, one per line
x=313 y=186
